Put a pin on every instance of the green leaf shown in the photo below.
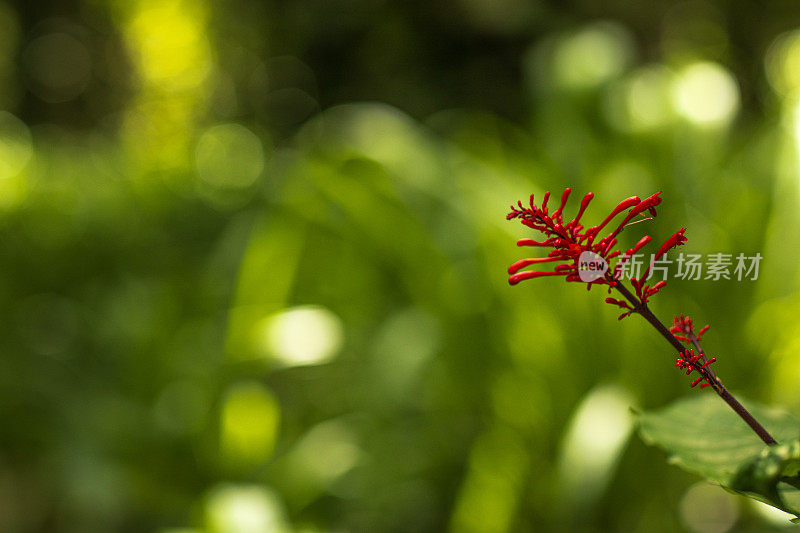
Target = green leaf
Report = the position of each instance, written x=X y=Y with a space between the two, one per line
x=703 y=435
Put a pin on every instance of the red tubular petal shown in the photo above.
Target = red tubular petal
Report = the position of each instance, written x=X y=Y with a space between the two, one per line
x=529 y=274
x=544 y=202
x=522 y=263
x=713 y=359
x=621 y=303
x=692 y=358
x=622 y=206
x=631 y=251
x=648 y=203
x=608 y=247
x=676 y=240
x=584 y=205
x=658 y=286
x=639 y=245
x=531 y=242
x=705 y=328
x=698 y=380
x=532 y=224
x=559 y=212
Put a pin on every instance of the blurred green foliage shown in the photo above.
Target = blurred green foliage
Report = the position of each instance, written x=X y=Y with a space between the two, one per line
x=253 y=259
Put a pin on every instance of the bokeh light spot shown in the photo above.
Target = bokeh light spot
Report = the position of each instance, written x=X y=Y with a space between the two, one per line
x=249 y=425
x=244 y=509
x=641 y=101
x=58 y=65
x=403 y=345
x=488 y=496
x=326 y=452
x=593 y=442
x=706 y=94
x=382 y=133
x=706 y=508
x=229 y=156
x=592 y=56
x=16 y=146
x=170 y=44
x=782 y=63
x=305 y=335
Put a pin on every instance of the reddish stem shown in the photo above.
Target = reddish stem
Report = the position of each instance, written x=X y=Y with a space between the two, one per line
x=716 y=384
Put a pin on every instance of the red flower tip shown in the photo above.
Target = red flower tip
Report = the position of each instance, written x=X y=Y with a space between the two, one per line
x=622 y=206
x=692 y=362
x=675 y=240
x=649 y=204
x=558 y=213
x=648 y=291
x=522 y=263
x=529 y=274
x=620 y=303
x=683 y=329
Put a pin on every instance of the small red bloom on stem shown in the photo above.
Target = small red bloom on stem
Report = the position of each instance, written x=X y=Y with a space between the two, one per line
x=683 y=328
x=645 y=291
x=623 y=304
x=692 y=362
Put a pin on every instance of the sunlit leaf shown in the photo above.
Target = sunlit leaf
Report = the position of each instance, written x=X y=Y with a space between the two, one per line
x=703 y=435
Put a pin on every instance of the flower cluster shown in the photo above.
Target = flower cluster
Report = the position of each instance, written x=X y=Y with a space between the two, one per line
x=683 y=329
x=568 y=240
x=692 y=362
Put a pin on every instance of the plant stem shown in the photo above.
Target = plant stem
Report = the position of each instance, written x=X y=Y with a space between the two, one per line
x=716 y=384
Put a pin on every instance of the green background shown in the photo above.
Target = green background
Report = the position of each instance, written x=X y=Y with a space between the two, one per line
x=253 y=259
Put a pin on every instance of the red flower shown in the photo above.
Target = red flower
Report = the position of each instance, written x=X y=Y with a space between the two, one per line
x=683 y=328
x=567 y=241
x=692 y=362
